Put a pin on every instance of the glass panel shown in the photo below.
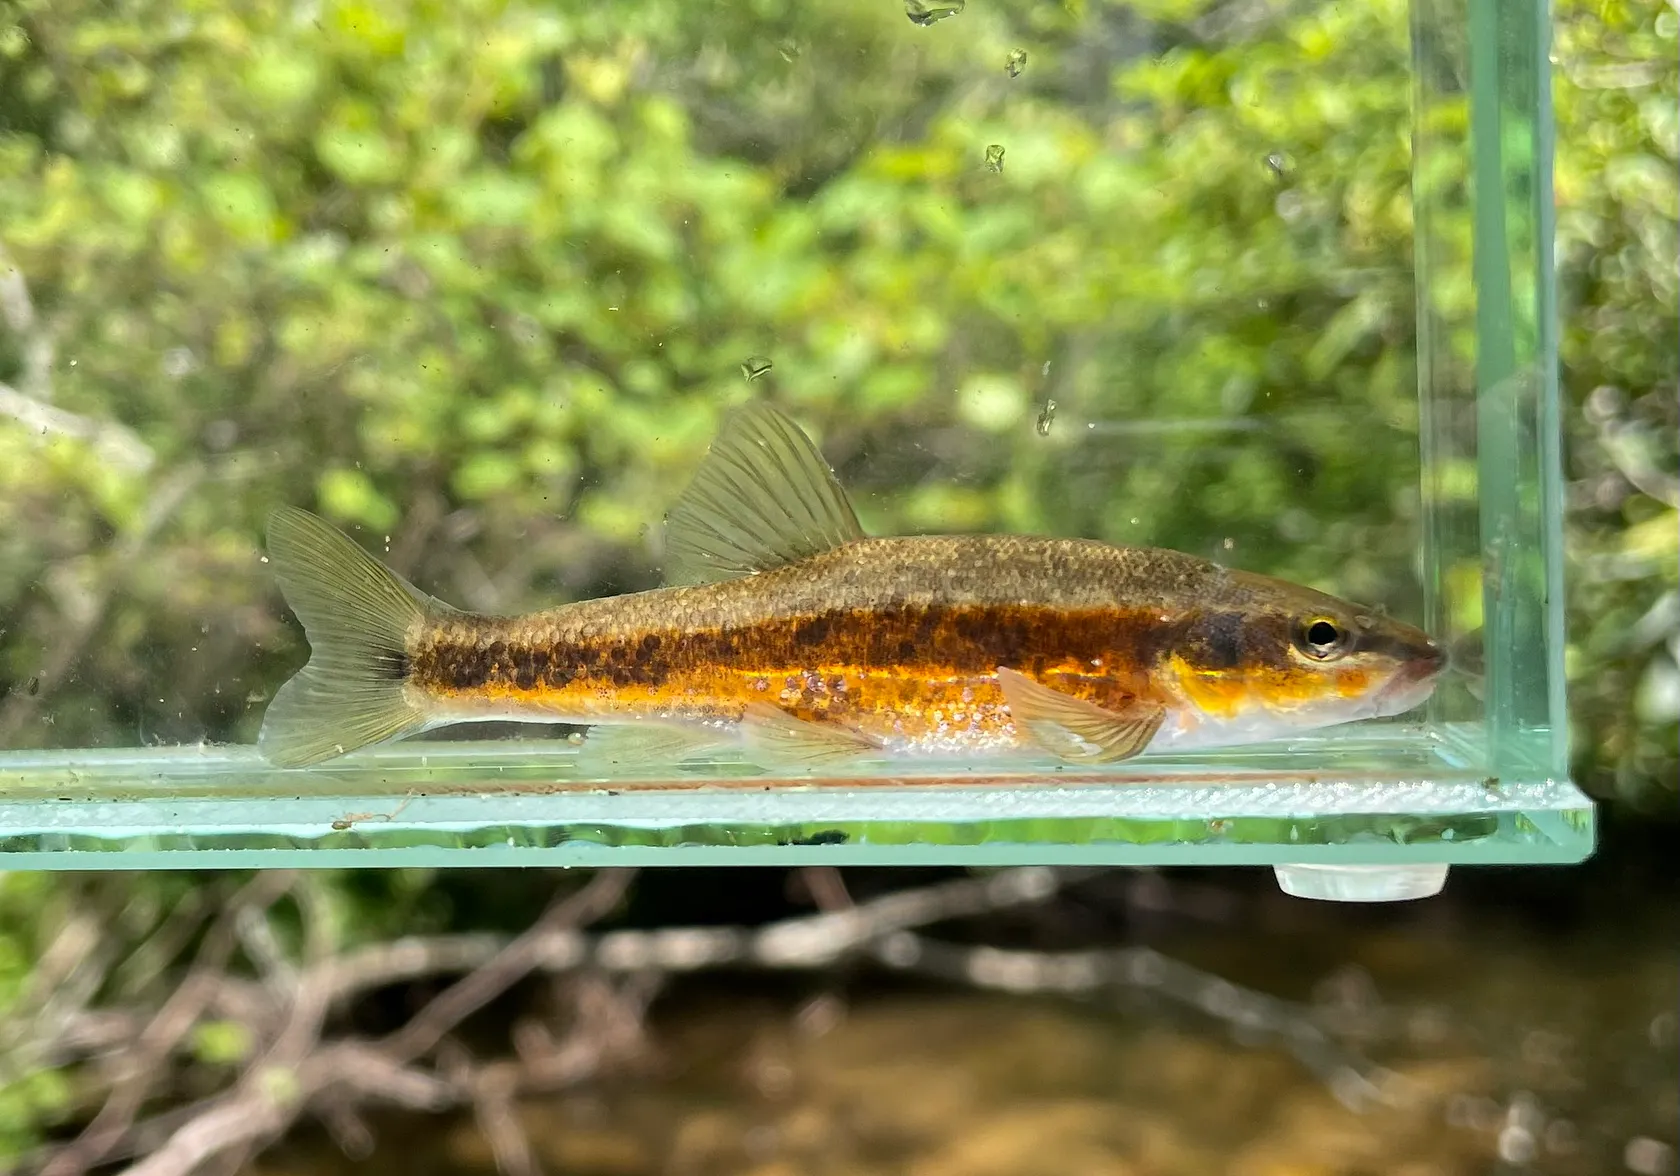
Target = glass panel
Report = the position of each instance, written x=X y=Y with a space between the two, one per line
x=496 y=804
x=478 y=283
x=1493 y=476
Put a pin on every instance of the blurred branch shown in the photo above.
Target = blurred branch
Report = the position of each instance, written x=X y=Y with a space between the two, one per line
x=153 y=955
x=114 y=444
x=492 y=1092
x=79 y=627
x=1089 y=973
x=55 y=993
x=508 y=966
x=18 y=309
x=296 y=1069
x=296 y=1072
x=141 y=1062
x=30 y=405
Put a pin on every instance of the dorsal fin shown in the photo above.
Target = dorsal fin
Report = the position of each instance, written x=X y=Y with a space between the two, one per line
x=763 y=497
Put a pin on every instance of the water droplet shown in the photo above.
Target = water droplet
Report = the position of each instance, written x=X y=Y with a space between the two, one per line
x=1046 y=417
x=1016 y=62
x=755 y=366
x=928 y=12
x=994 y=157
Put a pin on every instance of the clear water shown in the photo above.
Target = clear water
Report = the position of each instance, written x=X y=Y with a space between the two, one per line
x=478 y=282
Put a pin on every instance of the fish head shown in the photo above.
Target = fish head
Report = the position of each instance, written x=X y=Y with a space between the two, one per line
x=1265 y=657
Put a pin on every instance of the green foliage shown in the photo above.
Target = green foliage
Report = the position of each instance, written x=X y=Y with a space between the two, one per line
x=1618 y=192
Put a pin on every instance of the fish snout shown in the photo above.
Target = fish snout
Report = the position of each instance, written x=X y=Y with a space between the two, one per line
x=1427 y=660
x=1414 y=680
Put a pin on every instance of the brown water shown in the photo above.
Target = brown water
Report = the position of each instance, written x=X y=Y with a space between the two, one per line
x=1510 y=1047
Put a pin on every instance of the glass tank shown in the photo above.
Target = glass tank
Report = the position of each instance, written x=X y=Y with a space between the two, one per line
x=994 y=388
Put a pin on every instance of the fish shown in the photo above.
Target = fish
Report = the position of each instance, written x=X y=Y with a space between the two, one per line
x=786 y=631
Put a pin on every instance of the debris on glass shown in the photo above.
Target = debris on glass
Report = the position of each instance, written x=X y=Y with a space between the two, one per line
x=756 y=366
x=1016 y=62
x=929 y=12
x=994 y=157
x=1046 y=417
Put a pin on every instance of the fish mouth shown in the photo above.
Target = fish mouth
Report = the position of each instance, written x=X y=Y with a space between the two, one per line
x=1414 y=681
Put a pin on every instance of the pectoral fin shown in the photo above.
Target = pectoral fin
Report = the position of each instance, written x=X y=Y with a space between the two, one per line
x=1072 y=728
x=786 y=739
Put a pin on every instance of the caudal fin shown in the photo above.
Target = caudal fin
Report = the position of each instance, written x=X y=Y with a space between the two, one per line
x=358 y=616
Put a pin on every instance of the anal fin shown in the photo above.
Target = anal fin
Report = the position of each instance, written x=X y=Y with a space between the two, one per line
x=1075 y=729
x=785 y=739
x=616 y=746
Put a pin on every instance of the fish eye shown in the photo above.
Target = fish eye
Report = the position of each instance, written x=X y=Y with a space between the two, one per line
x=1321 y=638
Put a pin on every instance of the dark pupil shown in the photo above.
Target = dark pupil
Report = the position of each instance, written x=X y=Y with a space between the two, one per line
x=1322 y=633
